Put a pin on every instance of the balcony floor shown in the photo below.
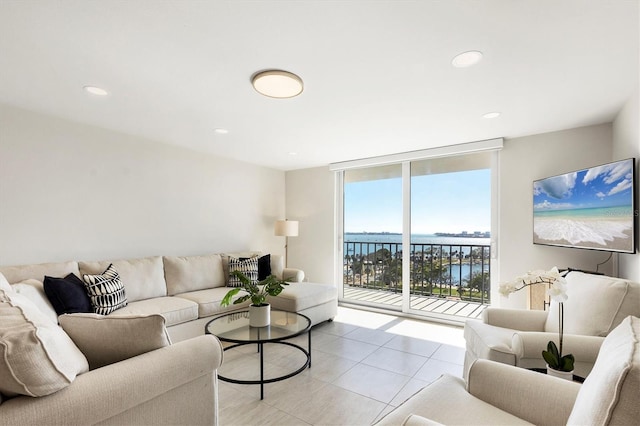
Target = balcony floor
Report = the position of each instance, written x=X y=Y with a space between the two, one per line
x=457 y=308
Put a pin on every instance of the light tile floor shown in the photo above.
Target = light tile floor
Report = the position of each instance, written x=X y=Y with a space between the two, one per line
x=363 y=365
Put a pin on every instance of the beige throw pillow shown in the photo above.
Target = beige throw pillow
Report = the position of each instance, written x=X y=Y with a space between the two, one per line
x=108 y=339
x=36 y=357
x=609 y=395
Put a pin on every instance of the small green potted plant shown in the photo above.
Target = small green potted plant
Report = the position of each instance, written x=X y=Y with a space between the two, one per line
x=259 y=310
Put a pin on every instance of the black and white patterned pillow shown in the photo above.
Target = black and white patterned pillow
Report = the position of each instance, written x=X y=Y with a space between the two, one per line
x=249 y=267
x=106 y=291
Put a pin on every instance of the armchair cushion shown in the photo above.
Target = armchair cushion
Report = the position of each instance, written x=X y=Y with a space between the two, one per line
x=593 y=305
x=610 y=394
x=517 y=319
x=105 y=340
x=488 y=342
x=416 y=420
x=446 y=401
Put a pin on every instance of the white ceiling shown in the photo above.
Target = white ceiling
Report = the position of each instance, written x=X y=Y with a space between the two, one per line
x=378 y=75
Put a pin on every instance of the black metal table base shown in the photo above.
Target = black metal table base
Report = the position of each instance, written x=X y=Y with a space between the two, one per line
x=262 y=380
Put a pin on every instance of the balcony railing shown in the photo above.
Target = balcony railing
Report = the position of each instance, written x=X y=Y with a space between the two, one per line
x=458 y=271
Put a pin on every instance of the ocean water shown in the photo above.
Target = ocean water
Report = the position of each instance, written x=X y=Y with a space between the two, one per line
x=600 y=213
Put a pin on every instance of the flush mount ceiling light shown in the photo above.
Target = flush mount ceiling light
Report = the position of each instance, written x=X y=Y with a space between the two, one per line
x=221 y=131
x=277 y=84
x=95 y=90
x=492 y=114
x=467 y=59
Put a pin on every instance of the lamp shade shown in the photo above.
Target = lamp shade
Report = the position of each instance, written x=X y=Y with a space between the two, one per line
x=286 y=228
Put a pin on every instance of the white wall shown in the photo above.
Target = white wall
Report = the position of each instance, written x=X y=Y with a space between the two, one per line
x=626 y=144
x=71 y=191
x=310 y=199
x=523 y=160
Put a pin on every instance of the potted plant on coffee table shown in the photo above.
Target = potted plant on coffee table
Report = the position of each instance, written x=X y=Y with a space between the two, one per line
x=259 y=310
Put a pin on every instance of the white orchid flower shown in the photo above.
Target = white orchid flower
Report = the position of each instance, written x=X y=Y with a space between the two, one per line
x=507 y=288
x=558 y=291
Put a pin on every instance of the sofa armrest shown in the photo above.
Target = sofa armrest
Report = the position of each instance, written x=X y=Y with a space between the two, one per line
x=531 y=396
x=531 y=344
x=516 y=319
x=292 y=275
x=130 y=387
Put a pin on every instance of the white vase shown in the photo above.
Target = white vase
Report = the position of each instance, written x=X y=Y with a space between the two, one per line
x=567 y=375
x=259 y=316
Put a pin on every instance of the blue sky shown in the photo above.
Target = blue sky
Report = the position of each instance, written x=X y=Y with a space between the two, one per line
x=603 y=186
x=447 y=202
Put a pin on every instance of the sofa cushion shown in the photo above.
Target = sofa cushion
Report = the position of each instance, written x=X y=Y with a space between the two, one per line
x=37 y=358
x=33 y=290
x=142 y=278
x=15 y=274
x=592 y=306
x=106 y=291
x=609 y=395
x=209 y=301
x=191 y=273
x=175 y=310
x=299 y=296
x=105 y=340
x=68 y=295
x=249 y=267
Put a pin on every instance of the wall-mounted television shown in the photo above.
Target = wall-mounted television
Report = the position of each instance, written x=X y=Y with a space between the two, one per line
x=592 y=208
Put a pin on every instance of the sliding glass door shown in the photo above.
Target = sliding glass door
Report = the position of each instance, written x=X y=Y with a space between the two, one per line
x=416 y=235
x=372 y=263
x=450 y=235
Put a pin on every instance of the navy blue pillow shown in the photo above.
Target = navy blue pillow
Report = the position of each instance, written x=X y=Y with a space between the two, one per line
x=264 y=266
x=68 y=295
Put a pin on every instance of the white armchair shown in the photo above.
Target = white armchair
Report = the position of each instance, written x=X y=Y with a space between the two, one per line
x=596 y=304
x=498 y=394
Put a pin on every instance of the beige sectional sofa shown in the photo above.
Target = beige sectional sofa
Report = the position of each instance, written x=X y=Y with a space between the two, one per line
x=185 y=290
x=146 y=363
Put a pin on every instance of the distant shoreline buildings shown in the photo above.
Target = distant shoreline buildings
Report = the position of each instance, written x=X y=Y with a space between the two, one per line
x=465 y=234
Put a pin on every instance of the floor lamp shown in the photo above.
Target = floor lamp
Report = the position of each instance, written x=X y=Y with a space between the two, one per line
x=286 y=228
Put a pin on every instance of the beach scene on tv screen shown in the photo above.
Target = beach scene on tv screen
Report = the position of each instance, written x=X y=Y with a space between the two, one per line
x=591 y=208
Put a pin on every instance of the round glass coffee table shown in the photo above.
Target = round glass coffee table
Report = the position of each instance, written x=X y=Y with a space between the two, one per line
x=234 y=328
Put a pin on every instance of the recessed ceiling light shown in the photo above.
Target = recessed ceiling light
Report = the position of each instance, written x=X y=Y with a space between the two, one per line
x=221 y=131
x=492 y=114
x=293 y=153
x=277 y=84
x=467 y=59
x=95 y=90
